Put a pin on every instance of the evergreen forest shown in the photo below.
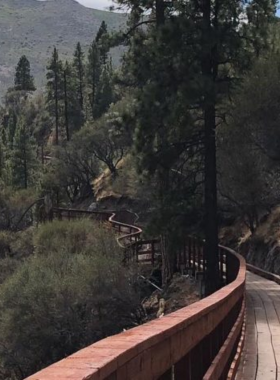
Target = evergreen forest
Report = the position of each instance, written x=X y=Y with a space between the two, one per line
x=184 y=131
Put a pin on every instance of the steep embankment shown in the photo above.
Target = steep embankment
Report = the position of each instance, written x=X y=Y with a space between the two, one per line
x=262 y=248
x=34 y=27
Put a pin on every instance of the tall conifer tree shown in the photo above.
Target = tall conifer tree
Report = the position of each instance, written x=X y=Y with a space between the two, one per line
x=185 y=64
x=102 y=40
x=24 y=81
x=23 y=157
x=104 y=92
x=79 y=73
x=55 y=90
x=66 y=76
x=93 y=75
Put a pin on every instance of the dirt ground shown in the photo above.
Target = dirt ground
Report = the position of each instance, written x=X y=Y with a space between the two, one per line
x=181 y=292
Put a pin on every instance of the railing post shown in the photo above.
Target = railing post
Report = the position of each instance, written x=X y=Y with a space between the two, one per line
x=184 y=256
x=166 y=376
x=201 y=258
x=224 y=268
x=194 y=257
x=204 y=260
x=153 y=253
x=207 y=353
x=189 y=252
x=196 y=363
x=182 y=369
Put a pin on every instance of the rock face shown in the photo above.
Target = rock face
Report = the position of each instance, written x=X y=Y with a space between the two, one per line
x=34 y=27
x=262 y=249
x=265 y=255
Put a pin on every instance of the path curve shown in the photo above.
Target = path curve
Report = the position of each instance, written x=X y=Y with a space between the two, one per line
x=200 y=341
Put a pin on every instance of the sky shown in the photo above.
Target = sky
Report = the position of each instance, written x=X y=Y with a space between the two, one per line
x=104 y=4
x=97 y=4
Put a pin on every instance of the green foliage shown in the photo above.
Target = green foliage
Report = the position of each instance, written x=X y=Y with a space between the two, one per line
x=104 y=93
x=37 y=27
x=61 y=300
x=13 y=204
x=99 y=74
x=21 y=130
x=16 y=245
x=23 y=79
x=55 y=91
x=79 y=74
x=186 y=64
x=261 y=16
x=23 y=157
x=102 y=40
x=93 y=75
x=78 y=237
x=8 y=266
x=249 y=144
x=73 y=101
x=105 y=141
x=71 y=170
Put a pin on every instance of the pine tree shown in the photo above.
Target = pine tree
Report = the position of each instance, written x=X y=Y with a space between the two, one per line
x=2 y=158
x=23 y=79
x=103 y=42
x=93 y=75
x=23 y=157
x=104 y=93
x=79 y=73
x=186 y=63
x=261 y=14
x=11 y=128
x=66 y=75
x=55 y=90
x=73 y=114
x=101 y=32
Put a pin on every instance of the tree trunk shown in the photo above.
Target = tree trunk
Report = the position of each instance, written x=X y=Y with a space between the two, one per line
x=166 y=271
x=81 y=85
x=56 y=106
x=25 y=169
x=209 y=70
x=211 y=218
x=66 y=106
x=160 y=12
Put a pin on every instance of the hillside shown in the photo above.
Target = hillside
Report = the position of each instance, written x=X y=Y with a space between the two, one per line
x=33 y=27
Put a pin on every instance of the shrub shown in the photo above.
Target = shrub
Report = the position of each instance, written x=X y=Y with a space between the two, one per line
x=73 y=292
x=13 y=205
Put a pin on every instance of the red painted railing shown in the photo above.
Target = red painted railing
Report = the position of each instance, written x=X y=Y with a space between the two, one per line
x=196 y=342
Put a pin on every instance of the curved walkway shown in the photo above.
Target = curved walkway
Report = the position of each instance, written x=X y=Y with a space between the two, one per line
x=261 y=356
x=197 y=342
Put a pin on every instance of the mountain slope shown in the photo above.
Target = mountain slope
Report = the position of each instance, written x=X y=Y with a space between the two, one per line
x=34 y=27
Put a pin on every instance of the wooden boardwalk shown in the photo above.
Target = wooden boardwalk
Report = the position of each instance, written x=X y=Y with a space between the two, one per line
x=261 y=356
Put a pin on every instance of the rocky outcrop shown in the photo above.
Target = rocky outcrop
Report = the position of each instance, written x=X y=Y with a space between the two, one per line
x=262 y=248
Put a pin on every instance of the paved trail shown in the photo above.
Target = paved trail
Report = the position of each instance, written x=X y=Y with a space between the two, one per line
x=261 y=358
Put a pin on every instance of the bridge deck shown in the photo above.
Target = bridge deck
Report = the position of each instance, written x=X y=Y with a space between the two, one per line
x=261 y=357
